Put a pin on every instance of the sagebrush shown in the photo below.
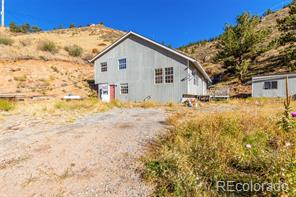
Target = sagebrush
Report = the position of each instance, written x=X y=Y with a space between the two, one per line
x=6 y=41
x=47 y=45
x=6 y=105
x=74 y=50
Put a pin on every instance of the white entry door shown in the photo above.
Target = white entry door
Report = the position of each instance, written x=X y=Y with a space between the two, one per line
x=104 y=92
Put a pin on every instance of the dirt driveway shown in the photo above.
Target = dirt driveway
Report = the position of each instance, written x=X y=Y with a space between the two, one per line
x=94 y=156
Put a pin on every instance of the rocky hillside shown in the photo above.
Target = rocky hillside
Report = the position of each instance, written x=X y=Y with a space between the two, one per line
x=265 y=63
x=52 y=63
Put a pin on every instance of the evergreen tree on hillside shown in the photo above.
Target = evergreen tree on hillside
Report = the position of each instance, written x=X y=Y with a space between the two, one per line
x=24 y=28
x=35 y=29
x=288 y=28
x=13 y=27
x=240 y=44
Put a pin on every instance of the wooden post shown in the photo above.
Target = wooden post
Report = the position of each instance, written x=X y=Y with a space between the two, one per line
x=287 y=90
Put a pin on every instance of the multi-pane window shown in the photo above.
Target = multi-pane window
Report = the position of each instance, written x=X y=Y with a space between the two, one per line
x=169 y=75
x=158 y=76
x=268 y=85
x=124 y=88
x=104 y=67
x=122 y=64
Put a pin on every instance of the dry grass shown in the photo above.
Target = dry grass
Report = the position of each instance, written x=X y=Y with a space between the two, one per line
x=29 y=181
x=6 y=105
x=27 y=46
x=58 y=110
x=31 y=77
x=21 y=78
x=203 y=148
x=144 y=104
x=12 y=162
x=48 y=46
x=6 y=41
x=74 y=50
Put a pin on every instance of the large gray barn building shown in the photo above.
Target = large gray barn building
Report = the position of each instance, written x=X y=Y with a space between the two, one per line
x=135 y=68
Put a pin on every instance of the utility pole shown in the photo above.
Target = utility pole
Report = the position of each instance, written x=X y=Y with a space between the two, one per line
x=2 y=14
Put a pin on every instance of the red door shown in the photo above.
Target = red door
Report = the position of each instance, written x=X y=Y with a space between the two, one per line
x=112 y=92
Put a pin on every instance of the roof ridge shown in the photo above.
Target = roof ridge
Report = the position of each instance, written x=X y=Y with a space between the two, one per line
x=155 y=43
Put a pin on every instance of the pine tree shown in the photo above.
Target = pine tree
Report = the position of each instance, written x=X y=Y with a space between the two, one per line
x=288 y=28
x=240 y=44
x=13 y=27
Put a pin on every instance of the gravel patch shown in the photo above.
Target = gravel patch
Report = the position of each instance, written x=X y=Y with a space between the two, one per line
x=95 y=156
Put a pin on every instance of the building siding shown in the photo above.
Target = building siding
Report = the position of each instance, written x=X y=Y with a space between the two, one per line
x=259 y=91
x=196 y=89
x=142 y=60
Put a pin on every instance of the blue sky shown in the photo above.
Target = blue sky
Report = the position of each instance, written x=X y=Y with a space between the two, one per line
x=177 y=22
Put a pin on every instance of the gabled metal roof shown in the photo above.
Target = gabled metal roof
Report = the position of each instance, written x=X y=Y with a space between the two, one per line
x=195 y=62
x=273 y=77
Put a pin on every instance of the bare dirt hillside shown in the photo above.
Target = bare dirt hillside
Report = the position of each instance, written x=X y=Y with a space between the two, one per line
x=45 y=78
x=28 y=70
x=206 y=51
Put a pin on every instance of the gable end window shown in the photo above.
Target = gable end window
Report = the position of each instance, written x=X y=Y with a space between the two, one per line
x=124 y=88
x=158 y=76
x=122 y=64
x=270 y=85
x=104 y=67
x=169 y=75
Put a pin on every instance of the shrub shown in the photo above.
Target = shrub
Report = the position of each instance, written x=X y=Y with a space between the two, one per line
x=268 y=12
x=20 y=78
x=55 y=69
x=95 y=51
x=24 y=28
x=6 y=41
x=48 y=46
x=196 y=154
x=88 y=56
x=13 y=27
x=35 y=29
x=74 y=50
x=6 y=105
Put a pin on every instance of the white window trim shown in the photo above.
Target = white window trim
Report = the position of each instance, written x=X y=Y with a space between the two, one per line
x=272 y=81
x=101 y=64
x=162 y=76
x=119 y=63
x=173 y=76
x=121 y=89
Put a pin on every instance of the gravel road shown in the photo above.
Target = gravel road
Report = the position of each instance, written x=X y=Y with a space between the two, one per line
x=95 y=156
